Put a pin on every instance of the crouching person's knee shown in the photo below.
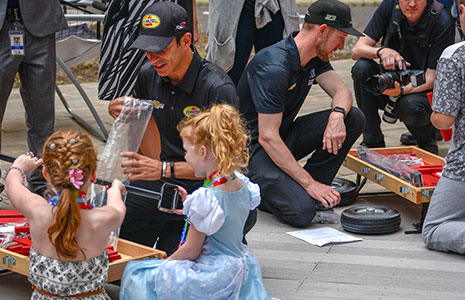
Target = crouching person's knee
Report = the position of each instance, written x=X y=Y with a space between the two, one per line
x=301 y=217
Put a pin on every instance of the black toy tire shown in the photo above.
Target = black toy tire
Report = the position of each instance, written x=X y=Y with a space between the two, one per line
x=347 y=189
x=370 y=219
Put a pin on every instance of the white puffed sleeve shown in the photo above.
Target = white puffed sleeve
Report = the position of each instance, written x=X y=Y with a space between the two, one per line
x=204 y=211
x=254 y=190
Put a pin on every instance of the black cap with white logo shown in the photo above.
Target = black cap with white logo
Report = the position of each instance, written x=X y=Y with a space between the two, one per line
x=332 y=13
x=160 y=23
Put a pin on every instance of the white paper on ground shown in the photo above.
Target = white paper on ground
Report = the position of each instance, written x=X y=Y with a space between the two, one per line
x=323 y=236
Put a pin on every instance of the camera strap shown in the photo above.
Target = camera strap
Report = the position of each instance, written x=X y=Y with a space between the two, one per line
x=424 y=39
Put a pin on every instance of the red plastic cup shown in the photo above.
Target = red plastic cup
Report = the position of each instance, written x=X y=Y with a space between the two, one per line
x=446 y=133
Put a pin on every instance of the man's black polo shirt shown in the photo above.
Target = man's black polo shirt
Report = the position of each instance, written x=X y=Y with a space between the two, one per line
x=275 y=82
x=443 y=34
x=204 y=84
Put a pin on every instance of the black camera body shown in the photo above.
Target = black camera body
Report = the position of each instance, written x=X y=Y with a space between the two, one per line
x=378 y=83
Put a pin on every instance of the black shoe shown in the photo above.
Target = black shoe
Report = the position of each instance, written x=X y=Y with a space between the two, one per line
x=408 y=139
x=320 y=207
x=375 y=145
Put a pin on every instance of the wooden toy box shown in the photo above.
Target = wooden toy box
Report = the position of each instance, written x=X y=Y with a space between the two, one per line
x=417 y=195
x=128 y=251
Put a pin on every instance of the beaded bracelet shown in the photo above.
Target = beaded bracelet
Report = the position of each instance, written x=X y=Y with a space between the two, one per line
x=16 y=168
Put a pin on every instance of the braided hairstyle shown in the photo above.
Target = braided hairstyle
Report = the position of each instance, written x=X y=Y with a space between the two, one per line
x=221 y=129
x=62 y=152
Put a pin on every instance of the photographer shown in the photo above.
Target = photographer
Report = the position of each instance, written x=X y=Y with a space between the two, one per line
x=412 y=31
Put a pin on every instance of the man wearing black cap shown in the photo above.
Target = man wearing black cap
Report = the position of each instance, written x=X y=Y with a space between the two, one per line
x=414 y=31
x=272 y=90
x=180 y=84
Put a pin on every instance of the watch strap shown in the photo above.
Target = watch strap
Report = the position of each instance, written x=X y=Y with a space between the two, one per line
x=340 y=110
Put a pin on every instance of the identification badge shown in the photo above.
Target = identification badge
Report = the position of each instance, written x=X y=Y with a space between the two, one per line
x=16 y=42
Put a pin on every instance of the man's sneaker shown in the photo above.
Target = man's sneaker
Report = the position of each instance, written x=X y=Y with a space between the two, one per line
x=408 y=139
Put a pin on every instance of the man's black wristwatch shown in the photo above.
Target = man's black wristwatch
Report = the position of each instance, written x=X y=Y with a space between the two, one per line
x=340 y=110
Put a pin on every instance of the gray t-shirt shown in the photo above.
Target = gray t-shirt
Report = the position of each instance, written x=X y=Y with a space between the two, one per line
x=449 y=99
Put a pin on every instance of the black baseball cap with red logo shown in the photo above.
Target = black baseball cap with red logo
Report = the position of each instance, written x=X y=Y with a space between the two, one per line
x=332 y=13
x=160 y=23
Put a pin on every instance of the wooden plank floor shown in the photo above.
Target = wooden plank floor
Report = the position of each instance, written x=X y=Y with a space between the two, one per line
x=393 y=266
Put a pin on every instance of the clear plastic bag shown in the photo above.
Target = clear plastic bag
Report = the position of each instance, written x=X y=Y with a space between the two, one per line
x=391 y=165
x=409 y=160
x=126 y=135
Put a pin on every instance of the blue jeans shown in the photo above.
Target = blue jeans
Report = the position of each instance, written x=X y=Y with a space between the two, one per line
x=248 y=35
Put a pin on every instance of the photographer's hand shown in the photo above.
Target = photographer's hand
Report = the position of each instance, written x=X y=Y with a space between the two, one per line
x=393 y=92
x=390 y=58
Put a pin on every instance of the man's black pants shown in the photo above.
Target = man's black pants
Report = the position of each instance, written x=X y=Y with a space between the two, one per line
x=413 y=109
x=281 y=194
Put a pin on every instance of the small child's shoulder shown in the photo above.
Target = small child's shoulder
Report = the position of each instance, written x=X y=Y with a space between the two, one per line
x=204 y=211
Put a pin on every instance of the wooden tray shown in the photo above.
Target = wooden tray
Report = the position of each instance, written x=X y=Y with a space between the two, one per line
x=128 y=250
x=399 y=186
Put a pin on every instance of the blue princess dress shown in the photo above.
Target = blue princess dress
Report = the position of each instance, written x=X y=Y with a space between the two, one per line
x=225 y=269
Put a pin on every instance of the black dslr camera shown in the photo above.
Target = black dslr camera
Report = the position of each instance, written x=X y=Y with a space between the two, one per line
x=376 y=85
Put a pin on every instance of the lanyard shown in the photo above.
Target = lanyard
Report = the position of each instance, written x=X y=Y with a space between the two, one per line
x=210 y=182
x=78 y=195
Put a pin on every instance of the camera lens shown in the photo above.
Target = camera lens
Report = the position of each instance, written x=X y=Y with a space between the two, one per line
x=376 y=84
x=389 y=115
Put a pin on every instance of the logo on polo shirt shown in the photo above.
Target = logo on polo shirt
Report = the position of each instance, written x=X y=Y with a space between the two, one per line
x=191 y=111
x=311 y=78
x=157 y=105
x=150 y=21
x=292 y=87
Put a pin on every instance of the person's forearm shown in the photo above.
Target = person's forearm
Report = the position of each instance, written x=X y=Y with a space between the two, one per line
x=114 y=199
x=428 y=85
x=283 y=158
x=343 y=99
x=185 y=253
x=364 y=51
x=181 y=170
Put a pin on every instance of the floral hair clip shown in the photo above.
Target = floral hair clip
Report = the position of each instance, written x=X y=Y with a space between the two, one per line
x=75 y=177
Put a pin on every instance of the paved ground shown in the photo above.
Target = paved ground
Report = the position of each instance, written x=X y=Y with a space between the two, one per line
x=394 y=266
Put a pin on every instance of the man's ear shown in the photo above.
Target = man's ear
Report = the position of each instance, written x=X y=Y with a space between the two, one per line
x=322 y=29
x=186 y=39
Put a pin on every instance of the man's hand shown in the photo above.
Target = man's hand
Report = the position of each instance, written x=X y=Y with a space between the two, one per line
x=141 y=167
x=335 y=133
x=328 y=196
x=390 y=57
x=116 y=106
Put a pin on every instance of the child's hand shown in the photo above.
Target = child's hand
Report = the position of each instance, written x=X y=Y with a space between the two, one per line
x=27 y=162
x=118 y=185
x=182 y=193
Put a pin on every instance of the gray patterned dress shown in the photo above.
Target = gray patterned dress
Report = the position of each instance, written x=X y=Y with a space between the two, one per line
x=68 y=278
